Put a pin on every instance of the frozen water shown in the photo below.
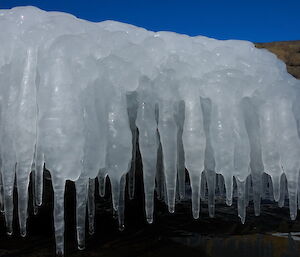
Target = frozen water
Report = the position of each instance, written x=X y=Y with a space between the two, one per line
x=77 y=96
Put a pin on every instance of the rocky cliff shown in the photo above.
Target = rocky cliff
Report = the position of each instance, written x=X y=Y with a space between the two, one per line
x=287 y=51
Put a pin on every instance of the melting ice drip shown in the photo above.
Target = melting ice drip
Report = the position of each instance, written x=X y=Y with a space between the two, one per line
x=74 y=94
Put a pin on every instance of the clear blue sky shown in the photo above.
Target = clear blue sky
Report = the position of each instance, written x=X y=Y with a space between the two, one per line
x=254 y=20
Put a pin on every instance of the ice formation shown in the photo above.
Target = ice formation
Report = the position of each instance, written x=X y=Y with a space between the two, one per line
x=77 y=96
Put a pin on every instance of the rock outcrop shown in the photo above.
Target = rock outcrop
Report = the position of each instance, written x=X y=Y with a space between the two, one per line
x=287 y=51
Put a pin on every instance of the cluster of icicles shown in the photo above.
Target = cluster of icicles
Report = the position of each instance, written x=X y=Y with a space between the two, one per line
x=77 y=96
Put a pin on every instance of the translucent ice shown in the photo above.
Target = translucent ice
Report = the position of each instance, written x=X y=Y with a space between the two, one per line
x=80 y=99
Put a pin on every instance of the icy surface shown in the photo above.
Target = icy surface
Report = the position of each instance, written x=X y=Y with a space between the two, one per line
x=76 y=97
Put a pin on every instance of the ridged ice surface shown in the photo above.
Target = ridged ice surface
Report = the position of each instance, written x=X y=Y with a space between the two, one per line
x=77 y=97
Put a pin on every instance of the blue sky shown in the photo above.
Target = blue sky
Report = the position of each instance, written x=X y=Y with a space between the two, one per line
x=254 y=20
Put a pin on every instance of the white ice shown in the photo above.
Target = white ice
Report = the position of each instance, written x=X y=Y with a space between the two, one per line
x=77 y=96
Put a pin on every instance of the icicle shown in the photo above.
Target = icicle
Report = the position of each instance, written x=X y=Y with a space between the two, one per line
x=180 y=157
x=115 y=192
x=35 y=207
x=289 y=143
x=81 y=200
x=256 y=182
x=38 y=178
x=131 y=173
x=194 y=143
x=121 y=205
x=91 y=206
x=229 y=189
x=209 y=162
x=118 y=199
x=38 y=174
x=119 y=147
x=22 y=175
x=223 y=146
x=132 y=112
x=8 y=178
x=275 y=187
x=211 y=186
x=292 y=192
x=58 y=214
x=119 y=136
x=168 y=138
x=181 y=171
x=25 y=130
x=241 y=156
x=159 y=177
x=256 y=163
x=241 y=187
x=282 y=191
x=148 y=144
x=269 y=142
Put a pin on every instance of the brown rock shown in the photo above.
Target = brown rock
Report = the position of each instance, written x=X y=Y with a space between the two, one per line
x=287 y=51
x=295 y=60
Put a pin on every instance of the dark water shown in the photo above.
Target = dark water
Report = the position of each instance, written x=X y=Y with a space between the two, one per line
x=272 y=234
